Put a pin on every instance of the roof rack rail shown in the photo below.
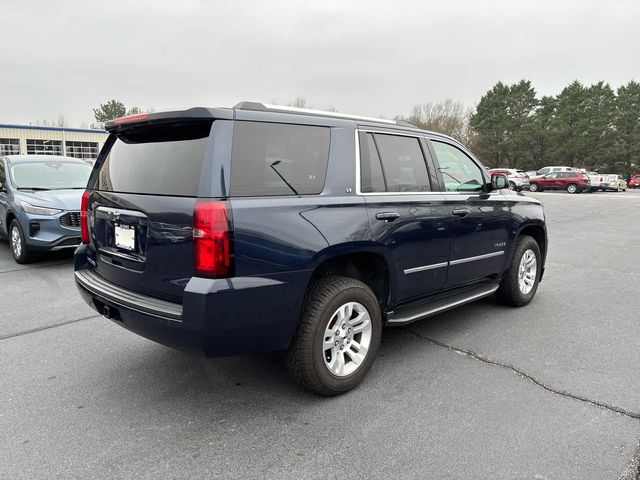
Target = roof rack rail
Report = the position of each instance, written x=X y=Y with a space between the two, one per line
x=308 y=111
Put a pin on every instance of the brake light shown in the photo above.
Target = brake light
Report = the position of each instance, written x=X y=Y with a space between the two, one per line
x=84 y=217
x=212 y=239
x=132 y=118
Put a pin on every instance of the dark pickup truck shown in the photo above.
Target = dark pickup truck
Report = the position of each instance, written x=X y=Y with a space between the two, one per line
x=260 y=228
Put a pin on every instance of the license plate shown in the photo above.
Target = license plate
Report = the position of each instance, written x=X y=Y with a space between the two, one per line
x=125 y=237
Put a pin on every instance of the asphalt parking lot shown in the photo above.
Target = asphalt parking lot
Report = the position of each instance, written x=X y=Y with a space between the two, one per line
x=550 y=391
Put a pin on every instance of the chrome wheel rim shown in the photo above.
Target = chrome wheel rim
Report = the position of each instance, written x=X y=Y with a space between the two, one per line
x=533 y=187
x=527 y=272
x=572 y=189
x=347 y=338
x=16 y=242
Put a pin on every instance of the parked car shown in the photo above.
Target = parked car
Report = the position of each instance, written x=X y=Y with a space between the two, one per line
x=614 y=183
x=40 y=202
x=572 y=181
x=634 y=181
x=596 y=180
x=544 y=170
x=518 y=179
x=259 y=228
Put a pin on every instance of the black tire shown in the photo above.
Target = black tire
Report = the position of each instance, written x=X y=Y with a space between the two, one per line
x=533 y=187
x=24 y=255
x=572 y=188
x=305 y=358
x=512 y=186
x=509 y=292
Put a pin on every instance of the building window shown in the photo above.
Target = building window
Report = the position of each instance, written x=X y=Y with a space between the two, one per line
x=44 y=147
x=9 y=146
x=82 y=149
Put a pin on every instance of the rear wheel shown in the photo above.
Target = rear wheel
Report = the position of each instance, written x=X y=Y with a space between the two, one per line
x=337 y=338
x=512 y=186
x=19 y=248
x=572 y=188
x=534 y=187
x=520 y=283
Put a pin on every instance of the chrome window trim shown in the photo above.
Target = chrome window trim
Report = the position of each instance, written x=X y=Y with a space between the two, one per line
x=382 y=132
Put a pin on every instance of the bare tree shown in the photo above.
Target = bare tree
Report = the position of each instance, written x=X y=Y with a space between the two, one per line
x=449 y=117
x=300 y=102
x=60 y=122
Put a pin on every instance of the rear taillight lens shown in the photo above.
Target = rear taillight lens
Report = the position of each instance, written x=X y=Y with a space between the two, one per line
x=84 y=217
x=212 y=240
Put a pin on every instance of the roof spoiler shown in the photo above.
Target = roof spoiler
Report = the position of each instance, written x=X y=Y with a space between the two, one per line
x=130 y=121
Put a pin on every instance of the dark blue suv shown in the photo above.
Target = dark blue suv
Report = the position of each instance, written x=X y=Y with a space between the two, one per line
x=261 y=228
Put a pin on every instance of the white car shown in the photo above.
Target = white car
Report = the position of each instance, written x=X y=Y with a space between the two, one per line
x=544 y=170
x=614 y=183
x=518 y=179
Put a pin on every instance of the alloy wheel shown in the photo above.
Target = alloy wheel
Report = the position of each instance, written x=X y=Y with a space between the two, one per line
x=527 y=272
x=347 y=339
x=16 y=242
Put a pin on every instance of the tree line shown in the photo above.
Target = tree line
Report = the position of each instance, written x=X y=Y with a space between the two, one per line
x=591 y=127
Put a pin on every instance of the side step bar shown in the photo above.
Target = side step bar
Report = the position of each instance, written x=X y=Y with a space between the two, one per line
x=411 y=314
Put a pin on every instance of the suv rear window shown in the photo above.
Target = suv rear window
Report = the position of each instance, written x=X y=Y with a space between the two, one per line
x=158 y=160
x=278 y=159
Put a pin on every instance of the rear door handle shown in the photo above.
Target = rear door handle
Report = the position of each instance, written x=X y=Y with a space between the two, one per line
x=460 y=212
x=388 y=216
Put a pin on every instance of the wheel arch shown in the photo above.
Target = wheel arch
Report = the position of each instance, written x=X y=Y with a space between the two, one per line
x=369 y=265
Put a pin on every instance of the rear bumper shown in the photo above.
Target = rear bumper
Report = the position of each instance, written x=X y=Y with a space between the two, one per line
x=217 y=317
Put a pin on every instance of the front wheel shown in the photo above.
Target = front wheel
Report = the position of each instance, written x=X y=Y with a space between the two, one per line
x=19 y=248
x=572 y=188
x=337 y=338
x=520 y=283
x=512 y=186
x=533 y=187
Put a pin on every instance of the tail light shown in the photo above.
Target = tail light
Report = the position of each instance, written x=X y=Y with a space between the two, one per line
x=212 y=240
x=84 y=217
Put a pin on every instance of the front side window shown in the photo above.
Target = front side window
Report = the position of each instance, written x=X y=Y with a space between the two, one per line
x=278 y=159
x=459 y=172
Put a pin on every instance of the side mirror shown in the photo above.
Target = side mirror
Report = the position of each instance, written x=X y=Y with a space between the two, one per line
x=499 y=181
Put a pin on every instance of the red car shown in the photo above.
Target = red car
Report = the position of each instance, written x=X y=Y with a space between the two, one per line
x=634 y=181
x=572 y=182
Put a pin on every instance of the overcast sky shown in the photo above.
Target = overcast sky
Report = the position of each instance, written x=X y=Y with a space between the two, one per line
x=369 y=58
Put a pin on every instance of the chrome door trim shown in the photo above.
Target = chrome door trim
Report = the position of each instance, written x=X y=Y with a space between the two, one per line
x=477 y=257
x=426 y=267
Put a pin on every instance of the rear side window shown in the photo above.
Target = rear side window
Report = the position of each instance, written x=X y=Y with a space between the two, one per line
x=403 y=164
x=278 y=159
x=371 y=177
x=158 y=160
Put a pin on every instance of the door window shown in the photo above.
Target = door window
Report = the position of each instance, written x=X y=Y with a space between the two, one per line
x=371 y=177
x=403 y=167
x=460 y=173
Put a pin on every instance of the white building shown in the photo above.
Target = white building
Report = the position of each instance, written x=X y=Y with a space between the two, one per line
x=71 y=142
